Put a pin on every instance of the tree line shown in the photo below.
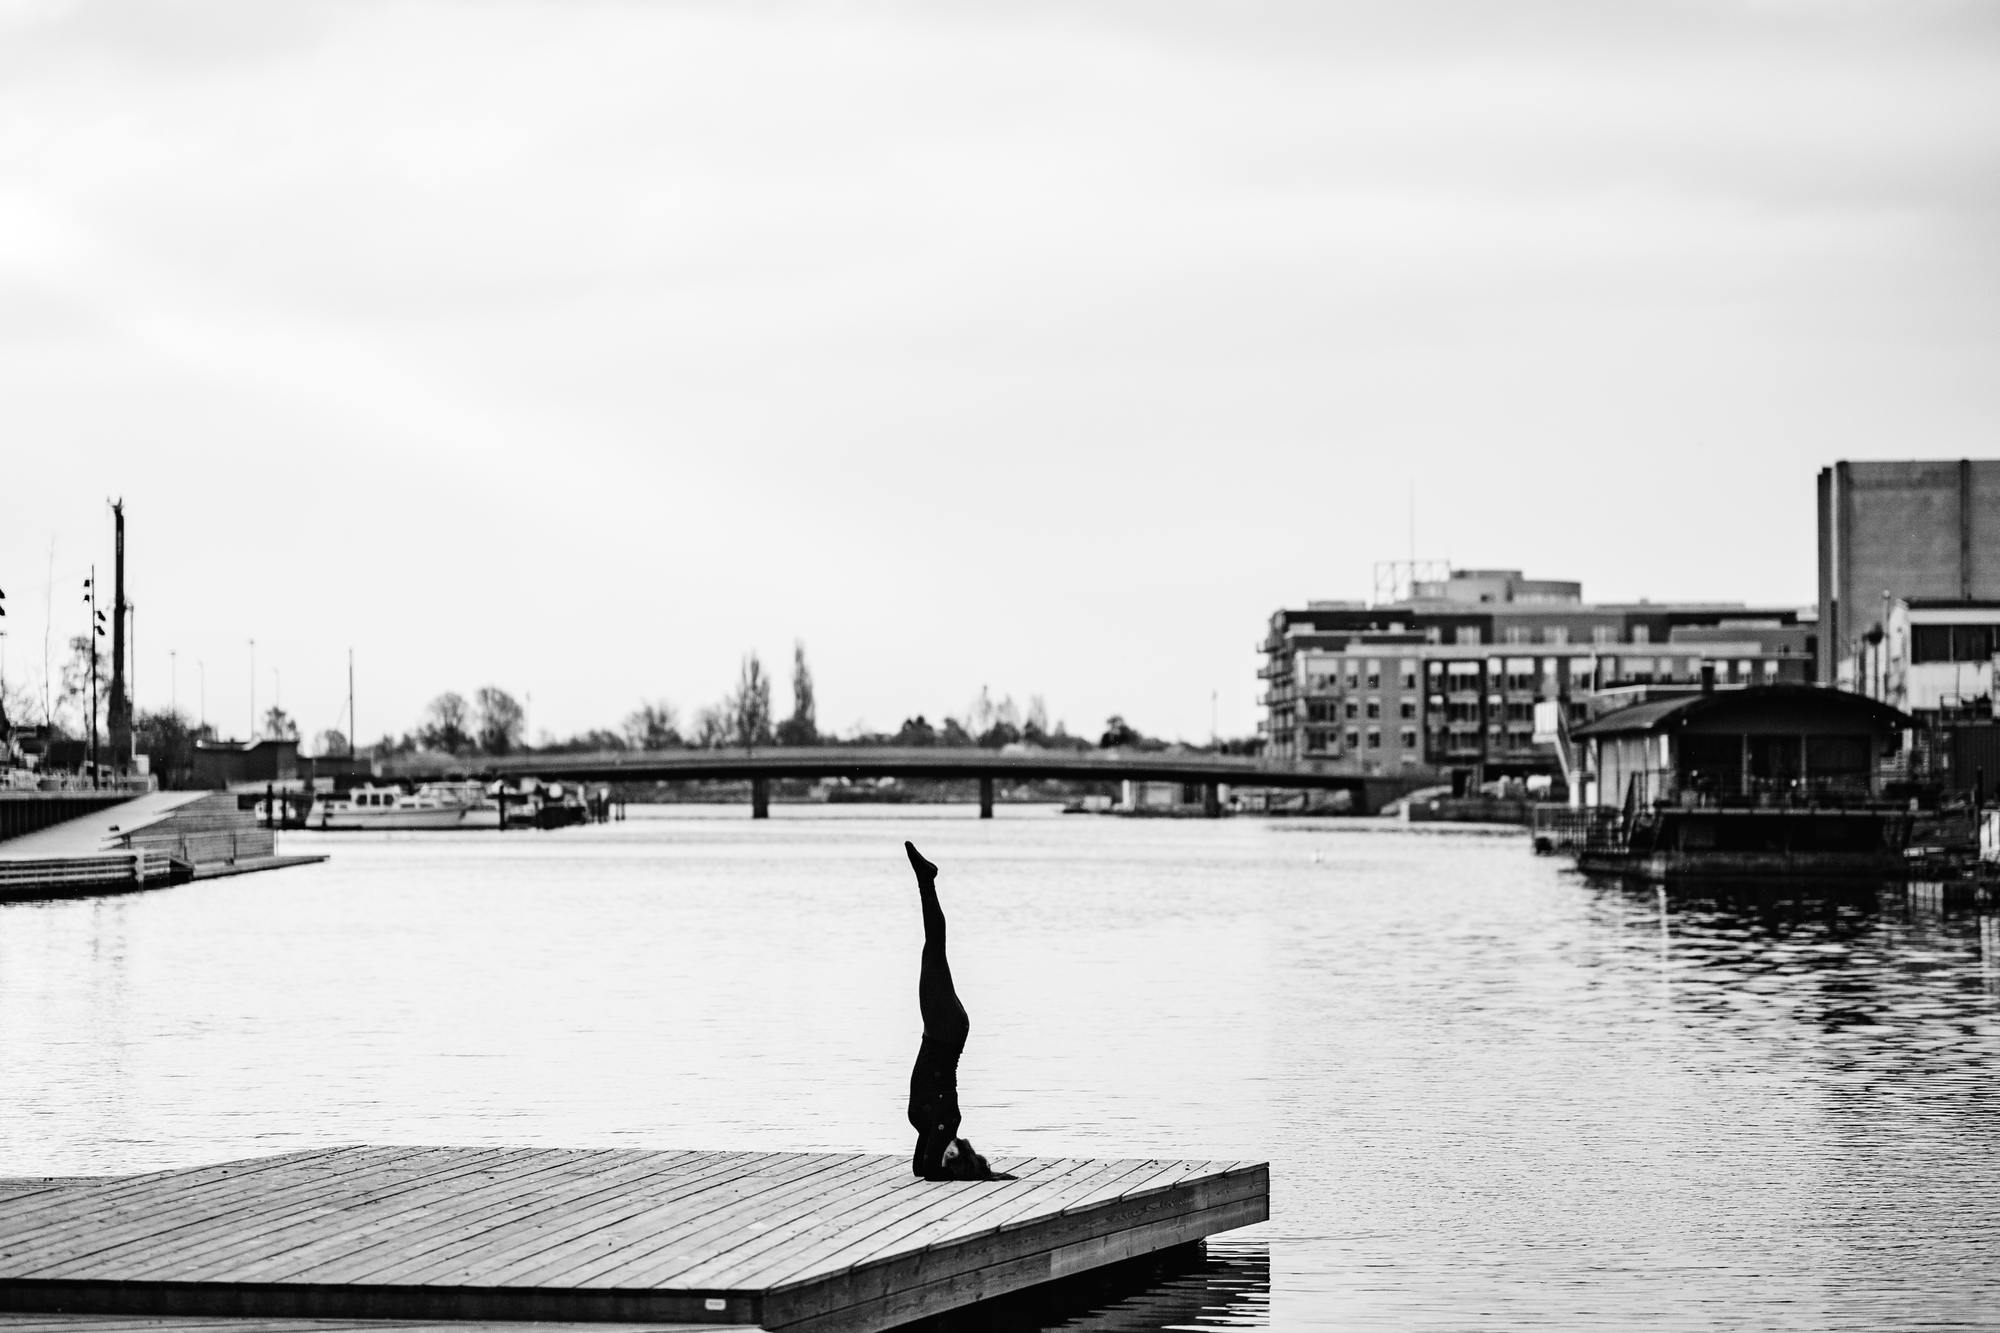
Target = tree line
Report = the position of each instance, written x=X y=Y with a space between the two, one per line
x=493 y=722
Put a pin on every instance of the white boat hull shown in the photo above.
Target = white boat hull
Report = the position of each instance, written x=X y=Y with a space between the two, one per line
x=354 y=821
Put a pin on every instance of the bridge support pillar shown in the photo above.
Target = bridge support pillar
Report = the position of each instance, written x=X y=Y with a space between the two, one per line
x=760 y=798
x=1211 y=800
x=986 y=798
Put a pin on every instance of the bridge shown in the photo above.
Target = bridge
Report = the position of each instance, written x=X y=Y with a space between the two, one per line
x=1369 y=791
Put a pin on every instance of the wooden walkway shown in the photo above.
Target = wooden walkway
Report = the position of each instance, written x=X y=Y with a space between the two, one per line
x=791 y=1241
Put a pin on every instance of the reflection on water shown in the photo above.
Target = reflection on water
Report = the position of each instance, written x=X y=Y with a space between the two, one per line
x=1492 y=1092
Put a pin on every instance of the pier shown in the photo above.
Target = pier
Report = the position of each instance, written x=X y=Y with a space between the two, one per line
x=812 y=1242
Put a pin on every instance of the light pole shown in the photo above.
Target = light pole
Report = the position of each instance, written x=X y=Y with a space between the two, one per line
x=174 y=676
x=202 y=667
x=253 y=691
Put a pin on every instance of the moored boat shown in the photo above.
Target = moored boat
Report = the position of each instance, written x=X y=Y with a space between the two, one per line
x=437 y=805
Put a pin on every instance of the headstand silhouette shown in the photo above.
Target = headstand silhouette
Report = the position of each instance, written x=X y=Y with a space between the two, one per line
x=940 y=1153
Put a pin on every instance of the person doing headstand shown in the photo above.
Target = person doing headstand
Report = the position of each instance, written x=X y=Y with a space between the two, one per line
x=934 y=1114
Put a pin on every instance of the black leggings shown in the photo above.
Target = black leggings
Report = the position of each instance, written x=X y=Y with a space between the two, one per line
x=934 y=1080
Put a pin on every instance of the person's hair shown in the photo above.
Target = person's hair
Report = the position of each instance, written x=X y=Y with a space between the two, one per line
x=963 y=1161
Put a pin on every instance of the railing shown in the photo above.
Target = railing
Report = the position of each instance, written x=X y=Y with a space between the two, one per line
x=1564 y=829
x=24 y=779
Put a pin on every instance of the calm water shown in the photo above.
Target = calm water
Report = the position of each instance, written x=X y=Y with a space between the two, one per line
x=1492 y=1093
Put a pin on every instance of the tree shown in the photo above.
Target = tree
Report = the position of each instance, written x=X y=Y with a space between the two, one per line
x=73 y=697
x=1037 y=725
x=802 y=727
x=955 y=734
x=444 y=724
x=501 y=721
x=750 y=704
x=916 y=731
x=597 y=738
x=167 y=741
x=714 y=726
x=653 y=726
x=332 y=741
x=1118 y=732
x=278 y=725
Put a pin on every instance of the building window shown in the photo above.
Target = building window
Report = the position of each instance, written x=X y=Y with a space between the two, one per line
x=1374 y=738
x=1642 y=634
x=1604 y=634
x=1770 y=669
x=1374 y=709
x=1744 y=668
x=1466 y=634
x=1517 y=634
x=1409 y=710
x=1374 y=673
x=1408 y=738
x=1353 y=739
x=1409 y=673
x=1434 y=634
x=1556 y=634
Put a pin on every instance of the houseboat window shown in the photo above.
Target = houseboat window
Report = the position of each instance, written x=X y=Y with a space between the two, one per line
x=1556 y=634
x=1642 y=634
x=1466 y=634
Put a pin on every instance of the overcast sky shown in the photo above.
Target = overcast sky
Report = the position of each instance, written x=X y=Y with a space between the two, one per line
x=579 y=347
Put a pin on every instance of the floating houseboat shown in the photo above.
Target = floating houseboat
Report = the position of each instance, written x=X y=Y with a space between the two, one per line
x=1771 y=781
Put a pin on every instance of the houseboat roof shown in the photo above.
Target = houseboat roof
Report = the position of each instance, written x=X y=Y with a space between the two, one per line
x=1657 y=715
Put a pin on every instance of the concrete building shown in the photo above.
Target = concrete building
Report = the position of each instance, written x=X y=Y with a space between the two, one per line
x=1937 y=662
x=1452 y=676
x=1911 y=530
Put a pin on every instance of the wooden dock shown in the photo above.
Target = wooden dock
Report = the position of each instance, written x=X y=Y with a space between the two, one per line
x=791 y=1241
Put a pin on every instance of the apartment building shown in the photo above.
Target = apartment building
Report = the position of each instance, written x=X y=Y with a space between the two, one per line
x=1450 y=677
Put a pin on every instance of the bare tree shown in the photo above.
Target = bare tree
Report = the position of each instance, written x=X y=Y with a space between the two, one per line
x=653 y=726
x=714 y=726
x=501 y=720
x=278 y=725
x=444 y=725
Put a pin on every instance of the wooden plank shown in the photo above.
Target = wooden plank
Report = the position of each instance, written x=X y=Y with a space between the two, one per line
x=223 y=1323
x=608 y=1190
x=919 y=1200
x=344 y=1204
x=529 y=1251
x=863 y=1191
x=117 y=1214
x=725 y=1209
x=923 y=1202
x=557 y=1184
x=111 y=1189
x=894 y=1192
x=668 y=1258
x=982 y=1213
x=420 y=1215
x=111 y=1323
x=187 y=1226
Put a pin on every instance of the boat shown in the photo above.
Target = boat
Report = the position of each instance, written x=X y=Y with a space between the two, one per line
x=435 y=805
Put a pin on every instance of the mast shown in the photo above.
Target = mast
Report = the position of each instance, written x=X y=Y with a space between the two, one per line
x=118 y=715
x=351 y=737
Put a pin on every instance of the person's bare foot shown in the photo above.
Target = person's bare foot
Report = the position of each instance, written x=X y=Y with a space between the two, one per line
x=926 y=872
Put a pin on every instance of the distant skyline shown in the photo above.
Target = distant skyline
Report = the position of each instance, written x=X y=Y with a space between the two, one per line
x=580 y=348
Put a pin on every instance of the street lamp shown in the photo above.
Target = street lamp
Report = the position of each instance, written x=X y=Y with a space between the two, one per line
x=253 y=691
